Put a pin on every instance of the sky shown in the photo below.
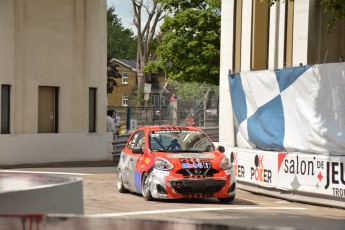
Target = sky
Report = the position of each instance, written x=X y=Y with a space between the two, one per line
x=124 y=10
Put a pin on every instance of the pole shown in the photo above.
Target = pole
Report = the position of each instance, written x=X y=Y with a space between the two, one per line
x=128 y=123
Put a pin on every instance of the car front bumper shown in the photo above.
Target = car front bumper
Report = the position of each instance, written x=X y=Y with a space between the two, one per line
x=165 y=186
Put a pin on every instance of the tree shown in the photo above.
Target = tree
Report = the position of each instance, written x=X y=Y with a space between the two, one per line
x=121 y=41
x=121 y=44
x=154 y=11
x=112 y=74
x=190 y=48
x=193 y=90
x=335 y=7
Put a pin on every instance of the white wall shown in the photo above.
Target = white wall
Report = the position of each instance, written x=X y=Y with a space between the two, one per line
x=246 y=35
x=301 y=33
x=61 y=147
x=59 y=44
x=276 y=36
x=226 y=124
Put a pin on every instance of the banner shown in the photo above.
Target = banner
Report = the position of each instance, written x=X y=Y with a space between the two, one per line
x=299 y=109
x=291 y=172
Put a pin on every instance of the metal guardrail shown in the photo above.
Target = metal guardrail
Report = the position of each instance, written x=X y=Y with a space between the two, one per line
x=118 y=144
x=121 y=140
x=212 y=132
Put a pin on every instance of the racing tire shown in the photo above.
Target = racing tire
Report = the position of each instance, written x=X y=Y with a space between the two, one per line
x=226 y=200
x=120 y=187
x=145 y=186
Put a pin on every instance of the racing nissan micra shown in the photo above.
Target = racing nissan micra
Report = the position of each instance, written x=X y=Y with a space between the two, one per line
x=166 y=162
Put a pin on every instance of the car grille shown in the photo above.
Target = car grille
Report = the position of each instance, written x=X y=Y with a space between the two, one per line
x=198 y=173
x=203 y=168
x=207 y=186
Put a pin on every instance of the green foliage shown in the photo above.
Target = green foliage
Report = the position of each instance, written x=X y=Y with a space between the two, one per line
x=336 y=8
x=121 y=41
x=192 y=90
x=190 y=47
x=112 y=73
x=140 y=97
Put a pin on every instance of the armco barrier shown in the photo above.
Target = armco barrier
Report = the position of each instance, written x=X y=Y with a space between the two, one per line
x=30 y=193
x=309 y=178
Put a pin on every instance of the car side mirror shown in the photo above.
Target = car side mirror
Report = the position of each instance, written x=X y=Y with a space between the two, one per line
x=221 y=149
x=137 y=149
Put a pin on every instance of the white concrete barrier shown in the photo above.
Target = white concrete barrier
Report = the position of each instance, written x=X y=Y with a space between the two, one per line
x=311 y=178
x=39 y=194
x=51 y=222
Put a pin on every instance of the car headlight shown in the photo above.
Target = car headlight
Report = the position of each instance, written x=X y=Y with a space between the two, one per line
x=225 y=163
x=162 y=164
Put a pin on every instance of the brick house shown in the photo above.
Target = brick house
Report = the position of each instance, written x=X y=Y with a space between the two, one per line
x=125 y=91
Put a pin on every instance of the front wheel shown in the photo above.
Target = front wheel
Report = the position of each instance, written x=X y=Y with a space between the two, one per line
x=145 y=186
x=226 y=200
x=120 y=185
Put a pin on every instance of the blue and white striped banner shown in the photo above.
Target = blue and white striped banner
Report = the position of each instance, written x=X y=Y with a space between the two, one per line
x=293 y=109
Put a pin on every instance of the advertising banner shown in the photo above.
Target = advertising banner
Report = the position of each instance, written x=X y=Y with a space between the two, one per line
x=292 y=172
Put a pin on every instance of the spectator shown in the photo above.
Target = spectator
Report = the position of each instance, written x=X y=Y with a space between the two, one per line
x=172 y=99
x=117 y=123
x=110 y=121
x=189 y=120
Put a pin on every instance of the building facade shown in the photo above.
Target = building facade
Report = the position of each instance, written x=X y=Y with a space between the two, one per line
x=125 y=91
x=53 y=85
x=257 y=37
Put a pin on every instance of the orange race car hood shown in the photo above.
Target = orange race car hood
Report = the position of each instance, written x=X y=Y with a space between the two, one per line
x=192 y=160
x=192 y=155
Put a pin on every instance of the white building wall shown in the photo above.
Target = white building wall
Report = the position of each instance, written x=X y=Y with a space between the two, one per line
x=274 y=37
x=300 y=33
x=281 y=41
x=59 y=44
x=276 y=49
x=226 y=124
x=246 y=35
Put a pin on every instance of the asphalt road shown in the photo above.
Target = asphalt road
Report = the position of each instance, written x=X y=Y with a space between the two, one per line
x=250 y=211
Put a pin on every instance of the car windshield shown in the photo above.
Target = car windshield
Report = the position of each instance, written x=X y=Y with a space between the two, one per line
x=179 y=141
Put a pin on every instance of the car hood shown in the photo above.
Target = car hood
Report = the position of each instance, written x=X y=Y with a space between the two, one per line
x=191 y=155
x=179 y=157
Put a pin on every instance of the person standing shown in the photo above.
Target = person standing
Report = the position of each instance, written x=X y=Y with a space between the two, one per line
x=110 y=121
x=111 y=126
x=117 y=123
x=172 y=101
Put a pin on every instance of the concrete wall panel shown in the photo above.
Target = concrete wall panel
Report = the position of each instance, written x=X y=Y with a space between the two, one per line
x=58 y=44
x=226 y=124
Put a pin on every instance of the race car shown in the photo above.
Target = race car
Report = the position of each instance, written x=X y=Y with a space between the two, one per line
x=171 y=162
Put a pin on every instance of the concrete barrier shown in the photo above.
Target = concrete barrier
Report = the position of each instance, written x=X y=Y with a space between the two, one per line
x=40 y=194
x=42 y=222
x=307 y=178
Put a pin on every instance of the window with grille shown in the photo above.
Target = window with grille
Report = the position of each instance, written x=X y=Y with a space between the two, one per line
x=124 y=78
x=155 y=100
x=124 y=100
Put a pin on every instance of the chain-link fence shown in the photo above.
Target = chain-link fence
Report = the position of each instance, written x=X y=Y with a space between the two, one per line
x=202 y=113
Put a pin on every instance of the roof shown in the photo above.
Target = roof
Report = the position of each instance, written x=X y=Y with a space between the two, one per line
x=130 y=63
x=171 y=128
